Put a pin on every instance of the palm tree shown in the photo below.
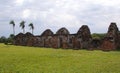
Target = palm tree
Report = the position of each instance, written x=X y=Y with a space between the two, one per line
x=31 y=27
x=13 y=23
x=22 y=25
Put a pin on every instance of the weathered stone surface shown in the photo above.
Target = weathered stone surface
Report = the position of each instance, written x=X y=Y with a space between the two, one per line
x=63 y=39
x=76 y=43
x=18 y=39
x=28 y=34
x=47 y=32
x=111 y=39
x=48 y=41
x=31 y=41
x=26 y=38
x=71 y=40
x=63 y=31
x=62 y=35
x=84 y=33
x=22 y=39
x=55 y=42
x=84 y=37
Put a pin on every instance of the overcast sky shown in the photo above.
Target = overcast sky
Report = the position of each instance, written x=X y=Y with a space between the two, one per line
x=54 y=14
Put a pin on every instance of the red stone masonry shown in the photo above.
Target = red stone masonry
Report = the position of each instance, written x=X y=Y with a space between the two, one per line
x=63 y=39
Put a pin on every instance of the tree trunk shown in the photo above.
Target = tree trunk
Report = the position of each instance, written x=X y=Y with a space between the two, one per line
x=32 y=31
x=13 y=30
x=24 y=30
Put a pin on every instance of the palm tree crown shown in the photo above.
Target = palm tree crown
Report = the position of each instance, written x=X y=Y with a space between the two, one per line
x=22 y=25
x=13 y=23
x=31 y=27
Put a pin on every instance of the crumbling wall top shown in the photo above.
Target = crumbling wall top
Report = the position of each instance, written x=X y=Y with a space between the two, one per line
x=84 y=32
x=47 y=32
x=63 y=31
x=112 y=30
x=28 y=34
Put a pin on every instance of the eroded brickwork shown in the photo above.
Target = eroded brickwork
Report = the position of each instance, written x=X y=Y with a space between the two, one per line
x=63 y=39
x=111 y=40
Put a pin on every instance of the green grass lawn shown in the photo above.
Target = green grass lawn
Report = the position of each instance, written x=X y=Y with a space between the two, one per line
x=19 y=59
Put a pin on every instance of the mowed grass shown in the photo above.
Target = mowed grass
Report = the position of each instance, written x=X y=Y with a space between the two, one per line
x=20 y=59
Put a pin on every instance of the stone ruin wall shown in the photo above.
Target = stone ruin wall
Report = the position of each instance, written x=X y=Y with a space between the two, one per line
x=111 y=40
x=63 y=39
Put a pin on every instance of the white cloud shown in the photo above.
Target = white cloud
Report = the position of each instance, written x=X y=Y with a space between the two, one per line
x=54 y=14
x=105 y=2
x=26 y=13
x=19 y=2
x=62 y=20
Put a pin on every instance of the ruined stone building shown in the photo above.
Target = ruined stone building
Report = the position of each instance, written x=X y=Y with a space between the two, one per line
x=63 y=39
x=112 y=39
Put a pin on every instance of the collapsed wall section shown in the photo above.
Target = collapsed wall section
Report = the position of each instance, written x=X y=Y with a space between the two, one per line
x=111 y=40
x=63 y=39
x=83 y=37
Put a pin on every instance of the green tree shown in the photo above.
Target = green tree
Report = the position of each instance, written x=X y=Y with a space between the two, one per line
x=22 y=25
x=31 y=27
x=98 y=35
x=2 y=39
x=13 y=23
x=11 y=39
